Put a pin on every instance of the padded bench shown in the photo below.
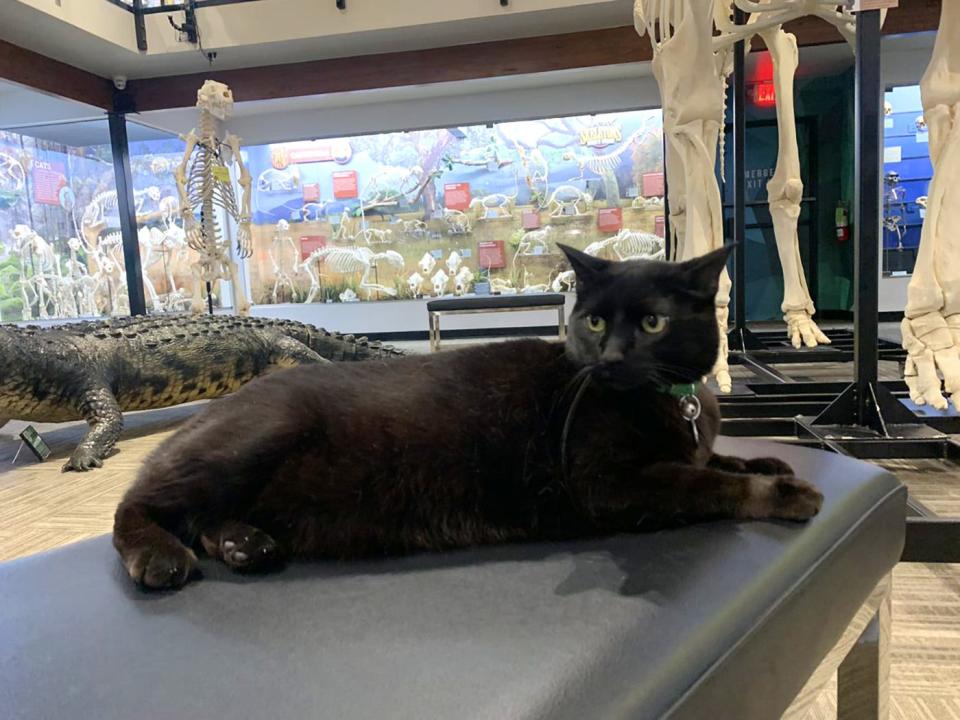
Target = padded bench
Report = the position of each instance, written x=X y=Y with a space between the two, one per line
x=720 y=620
x=493 y=303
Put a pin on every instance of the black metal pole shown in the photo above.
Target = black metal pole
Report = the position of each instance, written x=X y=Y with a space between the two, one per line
x=739 y=107
x=667 y=245
x=140 y=25
x=866 y=194
x=127 y=211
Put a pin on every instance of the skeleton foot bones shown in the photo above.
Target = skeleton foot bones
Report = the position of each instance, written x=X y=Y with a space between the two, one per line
x=931 y=326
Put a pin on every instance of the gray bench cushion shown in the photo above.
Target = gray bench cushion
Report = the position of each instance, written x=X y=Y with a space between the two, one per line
x=496 y=302
x=720 y=620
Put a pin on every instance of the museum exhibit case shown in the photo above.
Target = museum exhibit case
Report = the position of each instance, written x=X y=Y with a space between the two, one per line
x=434 y=212
x=62 y=254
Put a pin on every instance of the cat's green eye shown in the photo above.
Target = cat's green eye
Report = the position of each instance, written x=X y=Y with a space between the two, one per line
x=596 y=324
x=654 y=324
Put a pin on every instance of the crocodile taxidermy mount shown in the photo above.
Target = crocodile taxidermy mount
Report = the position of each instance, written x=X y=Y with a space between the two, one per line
x=95 y=371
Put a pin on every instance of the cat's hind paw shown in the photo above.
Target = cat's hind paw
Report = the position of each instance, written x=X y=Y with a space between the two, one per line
x=243 y=548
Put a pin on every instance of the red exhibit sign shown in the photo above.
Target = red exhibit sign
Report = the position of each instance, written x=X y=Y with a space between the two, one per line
x=345 y=185
x=311 y=192
x=491 y=255
x=610 y=219
x=530 y=219
x=659 y=225
x=338 y=151
x=456 y=196
x=309 y=243
x=652 y=184
x=48 y=179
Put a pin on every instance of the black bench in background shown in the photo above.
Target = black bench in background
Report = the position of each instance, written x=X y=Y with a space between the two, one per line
x=493 y=303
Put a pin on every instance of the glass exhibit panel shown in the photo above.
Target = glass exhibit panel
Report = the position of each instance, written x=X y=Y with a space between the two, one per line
x=62 y=256
x=166 y=259
x=434 y=212
x=907 y=172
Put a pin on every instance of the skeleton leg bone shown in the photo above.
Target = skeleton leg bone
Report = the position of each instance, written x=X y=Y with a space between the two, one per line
x=931 y=326
x=785 y=190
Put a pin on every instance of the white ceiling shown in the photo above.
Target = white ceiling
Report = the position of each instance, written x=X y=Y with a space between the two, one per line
x=27 y=27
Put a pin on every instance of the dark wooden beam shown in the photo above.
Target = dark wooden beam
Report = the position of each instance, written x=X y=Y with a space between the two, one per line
x=34 y=70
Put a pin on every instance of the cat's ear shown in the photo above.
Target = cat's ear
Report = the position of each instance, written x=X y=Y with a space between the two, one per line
x=586 y=267
x=702 y=273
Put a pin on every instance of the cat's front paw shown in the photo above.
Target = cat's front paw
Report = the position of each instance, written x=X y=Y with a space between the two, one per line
x=160 y=567
x=768 y=466
x=782 y=497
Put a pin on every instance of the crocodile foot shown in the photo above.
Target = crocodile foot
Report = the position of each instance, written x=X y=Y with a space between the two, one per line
x=81 y=460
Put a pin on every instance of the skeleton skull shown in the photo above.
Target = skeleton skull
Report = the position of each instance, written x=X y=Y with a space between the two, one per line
x=921 y=122
x=439 y=280
x=887 y=108
x=73 y=243
x=414 y=282
x=282 y=226
x=427 y=263
x=921 y=201
x=216 y=98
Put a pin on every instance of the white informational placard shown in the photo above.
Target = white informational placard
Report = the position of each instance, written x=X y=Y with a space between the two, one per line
x=893 y=154
x=923 y=137
x=888 y=123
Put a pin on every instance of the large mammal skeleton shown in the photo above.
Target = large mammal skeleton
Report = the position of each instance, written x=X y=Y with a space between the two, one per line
x=691 y=61
x=356 y=259
x=931 y=326
x=204 y=183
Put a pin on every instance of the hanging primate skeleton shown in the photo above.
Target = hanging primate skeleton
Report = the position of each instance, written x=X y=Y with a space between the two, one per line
x=204 y=182
x=691 y=63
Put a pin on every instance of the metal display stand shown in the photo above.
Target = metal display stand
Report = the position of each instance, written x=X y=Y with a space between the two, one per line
x=866 y=418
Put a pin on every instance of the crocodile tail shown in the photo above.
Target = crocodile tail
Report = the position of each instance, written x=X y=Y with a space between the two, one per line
x=337 y=347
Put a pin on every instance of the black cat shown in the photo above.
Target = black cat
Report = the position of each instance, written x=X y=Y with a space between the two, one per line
x=503 y=442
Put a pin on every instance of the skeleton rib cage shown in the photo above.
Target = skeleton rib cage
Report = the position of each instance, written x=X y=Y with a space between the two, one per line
x=206 y=190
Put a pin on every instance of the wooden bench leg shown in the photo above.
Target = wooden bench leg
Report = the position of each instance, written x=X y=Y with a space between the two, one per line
x=562 y=323
x=863 y=690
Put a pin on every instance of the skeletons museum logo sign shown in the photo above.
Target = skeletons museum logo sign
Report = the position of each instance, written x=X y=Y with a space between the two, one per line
x=316 y=151
x=600 y=136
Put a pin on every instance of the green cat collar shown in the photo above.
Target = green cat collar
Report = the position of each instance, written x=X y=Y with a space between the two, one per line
x=682 y=390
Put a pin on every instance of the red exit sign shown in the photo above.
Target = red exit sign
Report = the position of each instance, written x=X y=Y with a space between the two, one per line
x=764 y=94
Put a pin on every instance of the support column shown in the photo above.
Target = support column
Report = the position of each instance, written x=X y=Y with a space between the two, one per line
x=127 y=211
x=866 y=201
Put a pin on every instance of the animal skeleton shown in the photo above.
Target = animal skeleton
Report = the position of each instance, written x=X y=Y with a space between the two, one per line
x=282 y=278
x=629 y=245
x=204 y=183
x=504 y=287
x=439 y=280
x=415 y=228
x=493 y=206
x=533 y=241
x=373 y=236
x=458 y=222
x=12 y=177
x=691 y=64
x=415 y=282
x=347 y=260
x=272 y=180
x=931 y=326
x=312 y=211
x=96 y=210
x=564 y=280
x=454 y=262
x=36 y=255
x=462 y=280
x=567 y=200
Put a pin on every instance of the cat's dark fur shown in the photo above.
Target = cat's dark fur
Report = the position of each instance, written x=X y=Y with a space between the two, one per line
x=503 y=442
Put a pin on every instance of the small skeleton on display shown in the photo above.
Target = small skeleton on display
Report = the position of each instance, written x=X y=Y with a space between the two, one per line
x=894 y=206
x=312 y=211
x=83 y=284
x=462 y=281
x=37 y=272
x=534 y=242
x=12 y=177
x=567 y=200
x=416 y=229
x=357 y=259
x=439 y=281
x=493 y=207
x=282 y=239
x=565 y=281
x=458 y=222
x=629 y=245
x=204 y=183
